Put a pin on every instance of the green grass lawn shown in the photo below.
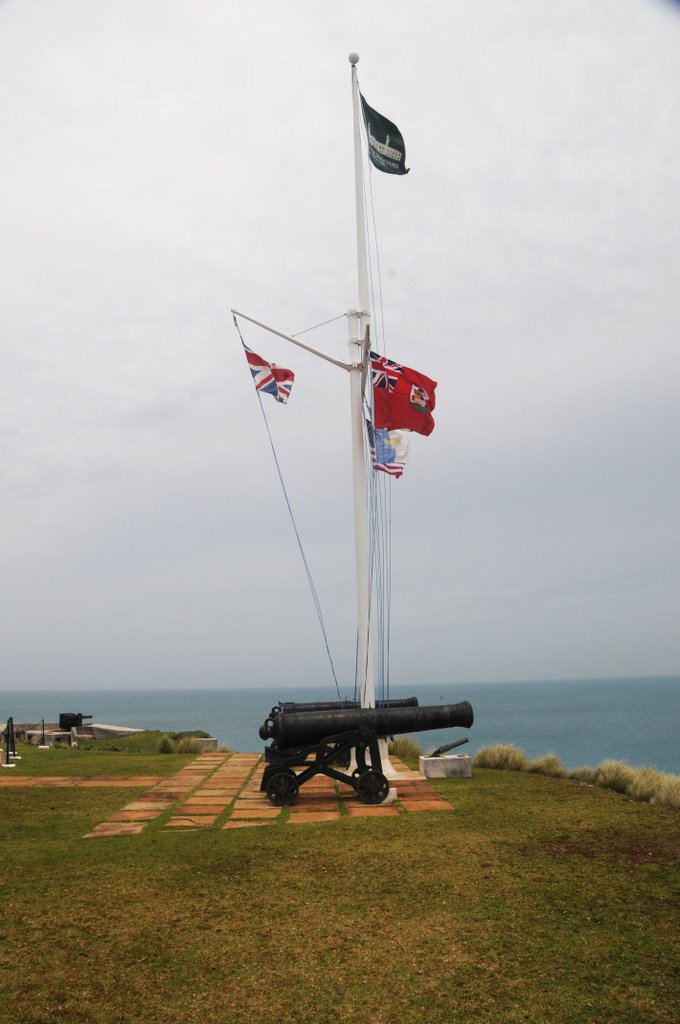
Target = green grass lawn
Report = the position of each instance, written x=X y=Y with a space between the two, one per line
x=129 y=755
x=537 y=900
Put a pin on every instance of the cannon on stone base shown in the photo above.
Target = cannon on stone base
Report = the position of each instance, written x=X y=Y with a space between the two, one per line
x=320 y=742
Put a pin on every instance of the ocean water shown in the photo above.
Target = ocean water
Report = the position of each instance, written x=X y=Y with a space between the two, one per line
x=582 y=721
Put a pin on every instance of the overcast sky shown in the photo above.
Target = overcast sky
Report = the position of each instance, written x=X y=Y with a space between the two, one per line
x=164 y=160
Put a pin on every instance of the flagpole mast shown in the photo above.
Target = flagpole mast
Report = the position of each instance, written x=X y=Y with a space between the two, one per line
x=358 y=322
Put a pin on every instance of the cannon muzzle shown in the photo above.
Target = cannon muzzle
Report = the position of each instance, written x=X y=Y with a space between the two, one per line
x=305 y=728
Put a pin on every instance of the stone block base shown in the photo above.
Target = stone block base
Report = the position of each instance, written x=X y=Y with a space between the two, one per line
x=450 y=766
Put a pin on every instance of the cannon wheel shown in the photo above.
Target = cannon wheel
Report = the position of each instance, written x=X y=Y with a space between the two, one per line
x=282 y=788
x=372 y=787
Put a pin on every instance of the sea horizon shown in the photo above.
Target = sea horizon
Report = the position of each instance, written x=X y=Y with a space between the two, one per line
x=583 y=721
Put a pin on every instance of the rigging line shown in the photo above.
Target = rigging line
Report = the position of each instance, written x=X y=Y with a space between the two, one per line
x=331 y=321
x=369 y=206
x=377 y=258
x=315 y=596
x=382 y=526
x=382 y=568
x=380 y=499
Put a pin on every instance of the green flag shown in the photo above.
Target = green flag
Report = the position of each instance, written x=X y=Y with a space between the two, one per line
x=385 y=142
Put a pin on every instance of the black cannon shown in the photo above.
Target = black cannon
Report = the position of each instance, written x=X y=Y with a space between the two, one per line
x=71 y=720
x=440 y=751
x=320 y=741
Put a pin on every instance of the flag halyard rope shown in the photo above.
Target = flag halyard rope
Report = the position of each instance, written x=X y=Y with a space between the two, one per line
x=308 y=573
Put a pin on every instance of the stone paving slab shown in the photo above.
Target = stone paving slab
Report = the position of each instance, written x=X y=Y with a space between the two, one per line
x=227 y=791
x=371 y=811
x=304 y=819
x=240 y=814
x=133 y=815
x=304 y=807
x=200 y=808
x=192 y=819
x=145 y=805
x=245 y=824
x=131 y=781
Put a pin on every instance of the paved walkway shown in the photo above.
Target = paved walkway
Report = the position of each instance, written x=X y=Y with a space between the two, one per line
x=223 y=791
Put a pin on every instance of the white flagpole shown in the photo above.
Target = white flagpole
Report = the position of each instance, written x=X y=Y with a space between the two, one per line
x=358 y=322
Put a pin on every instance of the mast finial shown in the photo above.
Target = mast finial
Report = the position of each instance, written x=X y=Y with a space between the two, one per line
x=353 y=59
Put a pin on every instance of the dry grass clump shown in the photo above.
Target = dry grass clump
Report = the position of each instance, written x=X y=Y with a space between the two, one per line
x=549 y=764
x=644 y=784
x=655 y=787
x=668 y=792
x=616 y=775
x=405 y=748
x=503 y=756
x=189 y=745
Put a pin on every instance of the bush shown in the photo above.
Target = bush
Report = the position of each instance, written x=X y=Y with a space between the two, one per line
x=549 y=764
x=189 y=745
x=404 y=748
x=585 y=774
x=616 y=775
x=645 y=784
x=668 y=791
x=165 y=745
x=504 y=756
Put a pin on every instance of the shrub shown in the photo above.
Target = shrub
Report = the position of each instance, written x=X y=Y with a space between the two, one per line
x=585 y=774
x=189 y=745
x=165 y=746
x=616 y=775
x=404 y=748
x=668 y=791
x=549 y=764
x=645 y=784
x=504 y=756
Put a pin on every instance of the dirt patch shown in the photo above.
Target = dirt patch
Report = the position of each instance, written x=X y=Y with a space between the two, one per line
x=617 y=846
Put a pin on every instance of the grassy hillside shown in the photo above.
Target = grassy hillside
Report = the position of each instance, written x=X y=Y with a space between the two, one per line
x=537 y=900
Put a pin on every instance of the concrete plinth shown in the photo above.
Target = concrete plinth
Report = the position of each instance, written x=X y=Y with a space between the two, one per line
x=448 y=767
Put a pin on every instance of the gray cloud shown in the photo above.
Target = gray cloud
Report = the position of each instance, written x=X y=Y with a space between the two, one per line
x=163 y=162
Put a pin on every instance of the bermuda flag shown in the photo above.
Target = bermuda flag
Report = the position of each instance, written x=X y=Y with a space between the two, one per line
x=403 y=399
x=269 y=377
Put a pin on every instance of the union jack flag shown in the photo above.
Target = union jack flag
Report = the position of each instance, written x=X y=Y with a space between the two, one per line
x=384 y=372
x=268 y=377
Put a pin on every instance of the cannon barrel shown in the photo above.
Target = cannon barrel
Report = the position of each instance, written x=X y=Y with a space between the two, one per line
x=298 y=729
x=449 y=746
x=286 y=707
